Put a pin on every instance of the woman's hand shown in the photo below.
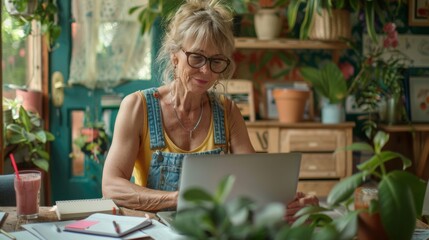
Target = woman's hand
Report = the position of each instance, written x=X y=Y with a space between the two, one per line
x=301 y=200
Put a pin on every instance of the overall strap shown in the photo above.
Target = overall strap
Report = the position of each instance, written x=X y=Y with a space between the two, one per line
x=154 y=118
x=218 y=120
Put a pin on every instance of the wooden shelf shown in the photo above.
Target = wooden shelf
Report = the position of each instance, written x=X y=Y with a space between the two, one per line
x=286 y=43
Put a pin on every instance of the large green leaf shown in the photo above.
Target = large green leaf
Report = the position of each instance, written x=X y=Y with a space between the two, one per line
x=327 y=81
x=224 y=188
x=397 y=206
x=41 y=163
x=197 y=195
x=345 y=189
x=347 y=225
x=381 y=158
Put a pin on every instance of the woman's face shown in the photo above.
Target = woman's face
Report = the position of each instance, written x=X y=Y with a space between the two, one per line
x=197 y=67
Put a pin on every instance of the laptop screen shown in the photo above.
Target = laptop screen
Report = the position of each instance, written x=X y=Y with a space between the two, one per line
x=263 y=177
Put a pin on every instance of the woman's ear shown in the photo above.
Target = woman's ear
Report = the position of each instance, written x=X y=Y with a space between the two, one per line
x=174 y=59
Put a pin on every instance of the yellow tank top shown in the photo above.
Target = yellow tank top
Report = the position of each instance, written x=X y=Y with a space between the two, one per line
x=142 y=163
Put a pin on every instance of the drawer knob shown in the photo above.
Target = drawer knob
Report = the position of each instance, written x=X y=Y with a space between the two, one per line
x=313 y=144
x=312 y=167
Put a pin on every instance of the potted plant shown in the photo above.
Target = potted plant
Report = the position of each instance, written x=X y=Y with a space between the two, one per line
x=330 y=83
x=42 y=11
x=93 y=141
x=211 y=217
x=396 y=200
x=381 y=78
x=371 y=9
x=24 y=134
x=267 y=13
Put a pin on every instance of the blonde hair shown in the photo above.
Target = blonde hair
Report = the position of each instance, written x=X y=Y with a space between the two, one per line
x=203 y=21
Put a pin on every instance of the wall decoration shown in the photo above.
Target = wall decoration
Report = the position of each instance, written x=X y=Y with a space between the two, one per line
x=418 y=14
x=419 y=99
x=414 y=47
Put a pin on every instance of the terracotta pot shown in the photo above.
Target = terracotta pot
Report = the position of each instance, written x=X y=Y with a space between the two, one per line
x=369 y=225
x=290 y=104
x=31 y=100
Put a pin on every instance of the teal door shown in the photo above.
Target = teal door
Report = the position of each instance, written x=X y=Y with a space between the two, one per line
x=71 y=179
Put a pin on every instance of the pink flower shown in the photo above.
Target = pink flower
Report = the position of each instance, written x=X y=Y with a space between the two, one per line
x=393 y=35
x=389 y=27
x=387 y=42
x=347 y=69
x=395 y=43
x=22 y=52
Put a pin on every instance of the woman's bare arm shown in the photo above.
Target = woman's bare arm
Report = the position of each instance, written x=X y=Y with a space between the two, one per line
x=240 y=141
x=120 y=161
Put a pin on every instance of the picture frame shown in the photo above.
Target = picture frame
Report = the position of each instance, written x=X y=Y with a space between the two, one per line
x=419 y=99
x=418 y=13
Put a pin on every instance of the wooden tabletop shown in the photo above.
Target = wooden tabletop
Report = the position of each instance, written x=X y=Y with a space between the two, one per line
x=47 y=214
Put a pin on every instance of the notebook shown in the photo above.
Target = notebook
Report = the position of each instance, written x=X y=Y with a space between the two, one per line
x=77 y=209
x=108 y=225
x=263 y=177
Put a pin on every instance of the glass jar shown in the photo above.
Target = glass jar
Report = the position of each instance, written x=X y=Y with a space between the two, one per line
x=369 y=225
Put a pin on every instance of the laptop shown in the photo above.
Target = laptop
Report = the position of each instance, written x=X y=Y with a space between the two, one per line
x=263 y=177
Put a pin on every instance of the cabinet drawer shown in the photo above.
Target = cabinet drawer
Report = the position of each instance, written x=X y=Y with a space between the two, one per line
x=319 y=165
x=310 y=140
x=259 y=137
x=319 y=188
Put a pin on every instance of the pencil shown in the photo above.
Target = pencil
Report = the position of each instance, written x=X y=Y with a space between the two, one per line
x=117 y=228
x=7 y=234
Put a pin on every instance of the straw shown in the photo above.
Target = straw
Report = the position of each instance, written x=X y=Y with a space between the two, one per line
x=12 y=159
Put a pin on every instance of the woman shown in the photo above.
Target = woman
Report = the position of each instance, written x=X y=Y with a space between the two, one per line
x=155 y=128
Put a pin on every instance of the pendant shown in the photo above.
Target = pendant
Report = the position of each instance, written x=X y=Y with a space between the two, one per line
x=190 y=134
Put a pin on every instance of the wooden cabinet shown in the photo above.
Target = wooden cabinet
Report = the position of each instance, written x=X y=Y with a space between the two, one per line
x=321 y=169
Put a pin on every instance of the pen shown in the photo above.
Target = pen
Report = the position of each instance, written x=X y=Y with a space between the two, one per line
x=117 y=228
x=7 y=234
x=58 y=228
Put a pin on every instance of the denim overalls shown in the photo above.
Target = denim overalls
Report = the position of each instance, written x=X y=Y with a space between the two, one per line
x=165 y=167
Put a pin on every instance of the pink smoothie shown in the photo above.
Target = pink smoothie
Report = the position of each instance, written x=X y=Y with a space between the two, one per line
x=27 y=190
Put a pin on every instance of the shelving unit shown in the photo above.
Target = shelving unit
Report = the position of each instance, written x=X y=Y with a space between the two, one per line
x=320 y=168
x=290 y=44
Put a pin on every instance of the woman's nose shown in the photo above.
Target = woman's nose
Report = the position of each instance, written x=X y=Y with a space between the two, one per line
x=205 y=68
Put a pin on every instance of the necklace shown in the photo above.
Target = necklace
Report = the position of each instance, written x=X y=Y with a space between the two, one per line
x=183 y=126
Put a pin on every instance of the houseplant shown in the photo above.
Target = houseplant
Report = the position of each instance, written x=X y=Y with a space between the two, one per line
x=330 y=83
x=41 y=11
x=371 y=9
x=400 y=198
x=211 y=217
x=149 y=12
x=24 y=133
x=399 y=194
x=93 y=140
x=380 y=78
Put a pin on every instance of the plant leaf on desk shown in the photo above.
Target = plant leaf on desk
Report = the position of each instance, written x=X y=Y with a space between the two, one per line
x=345 y=188
x=391 y=208
x=379 y=159
x=224 y=189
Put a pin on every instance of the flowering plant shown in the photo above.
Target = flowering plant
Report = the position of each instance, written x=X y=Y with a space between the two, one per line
x=380 y=75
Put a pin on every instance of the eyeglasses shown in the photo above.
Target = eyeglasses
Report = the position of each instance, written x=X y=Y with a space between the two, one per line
x=217 y=64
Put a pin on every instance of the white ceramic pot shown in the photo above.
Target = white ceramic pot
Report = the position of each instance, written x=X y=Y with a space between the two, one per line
x=332 y=113
x=268 y=23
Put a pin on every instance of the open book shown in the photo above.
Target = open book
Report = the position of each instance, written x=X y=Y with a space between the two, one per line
x=78 y=209
x=108 y=225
